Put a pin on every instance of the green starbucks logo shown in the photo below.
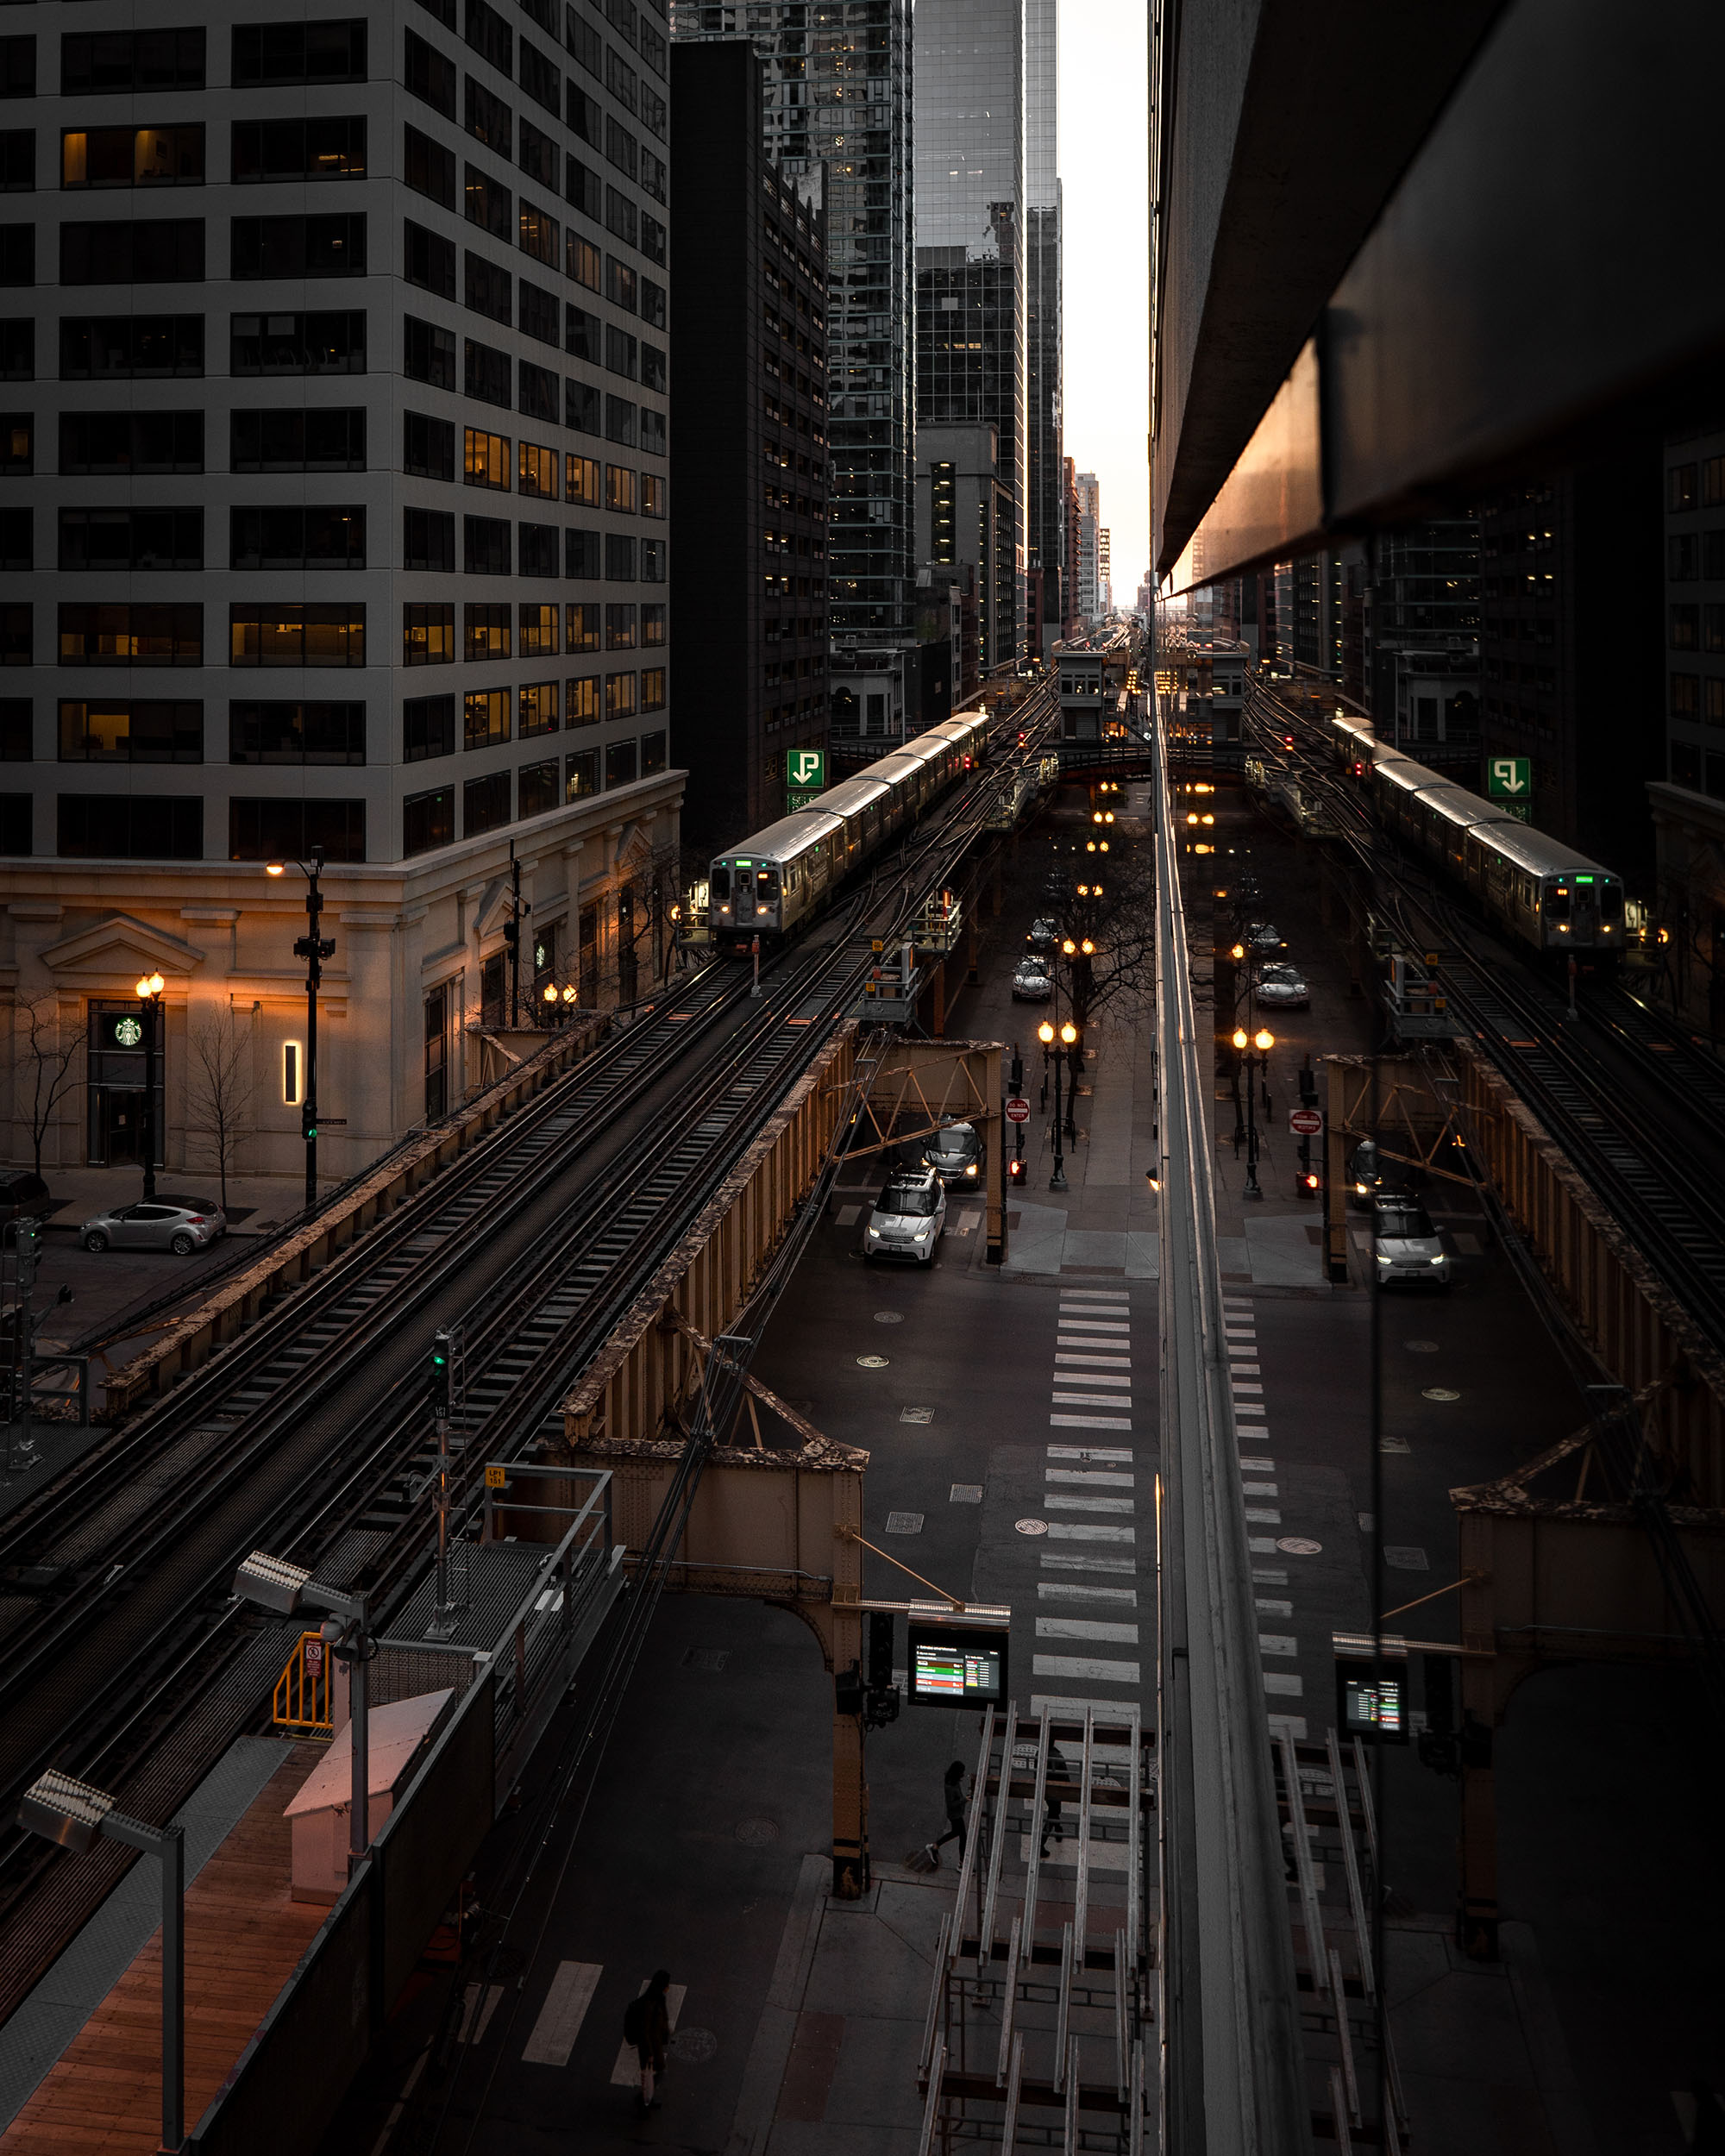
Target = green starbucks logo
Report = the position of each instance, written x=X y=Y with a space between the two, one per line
x=129 y=1033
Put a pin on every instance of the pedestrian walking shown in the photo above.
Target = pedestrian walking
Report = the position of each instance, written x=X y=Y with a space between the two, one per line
x=647 y=2024
x=953 y=1791
x=1058 y=1771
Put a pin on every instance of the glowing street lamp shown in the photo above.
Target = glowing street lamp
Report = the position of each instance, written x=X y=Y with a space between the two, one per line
x=149 y=997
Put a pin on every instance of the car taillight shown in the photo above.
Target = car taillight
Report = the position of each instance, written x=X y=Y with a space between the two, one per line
x=194 y=1220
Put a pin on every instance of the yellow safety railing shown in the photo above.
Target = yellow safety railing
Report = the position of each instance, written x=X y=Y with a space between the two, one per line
x=303 y=1699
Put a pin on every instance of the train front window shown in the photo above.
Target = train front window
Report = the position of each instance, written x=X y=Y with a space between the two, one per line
x=1611 y=903
x=721 y=884
x=1557 y=902
x=766 y=886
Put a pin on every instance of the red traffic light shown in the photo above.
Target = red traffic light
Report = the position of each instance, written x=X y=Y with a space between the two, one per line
x=1015 y=1168
x=1307 y=1182
x=1288 y=741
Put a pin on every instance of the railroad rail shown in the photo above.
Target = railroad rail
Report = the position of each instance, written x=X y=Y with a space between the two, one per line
x=309 y=1433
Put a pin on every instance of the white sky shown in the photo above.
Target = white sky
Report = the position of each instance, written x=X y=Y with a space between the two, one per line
x=1103 y=152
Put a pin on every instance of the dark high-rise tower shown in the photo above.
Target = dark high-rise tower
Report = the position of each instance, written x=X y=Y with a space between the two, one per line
x=1045 y=521
x=838 y=95
x=970 y=259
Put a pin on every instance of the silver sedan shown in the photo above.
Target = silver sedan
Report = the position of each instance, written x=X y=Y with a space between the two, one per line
x=180 y=1225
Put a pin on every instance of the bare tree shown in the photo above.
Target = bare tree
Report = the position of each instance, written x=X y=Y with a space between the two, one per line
x=1109 y=902
x=219 y=1088
x=47 y=1059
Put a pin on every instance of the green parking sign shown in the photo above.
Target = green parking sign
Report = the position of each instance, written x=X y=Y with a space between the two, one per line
x=806 y=770
x=1510 y=778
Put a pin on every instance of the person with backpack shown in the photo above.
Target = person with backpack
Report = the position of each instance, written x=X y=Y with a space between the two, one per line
x=953 y=1793
x=647 y=2024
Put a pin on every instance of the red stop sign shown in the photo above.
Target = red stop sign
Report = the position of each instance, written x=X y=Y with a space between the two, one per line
x=1017 y=1110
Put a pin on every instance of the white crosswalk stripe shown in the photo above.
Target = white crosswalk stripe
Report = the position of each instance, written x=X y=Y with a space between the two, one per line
x=560 y=2017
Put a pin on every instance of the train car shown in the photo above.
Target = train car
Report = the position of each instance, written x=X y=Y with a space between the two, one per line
x=771 y=883
x=1546 y=894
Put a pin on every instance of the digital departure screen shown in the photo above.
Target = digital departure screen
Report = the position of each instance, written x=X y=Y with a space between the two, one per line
x=1373 y=1707
x=951 y=1666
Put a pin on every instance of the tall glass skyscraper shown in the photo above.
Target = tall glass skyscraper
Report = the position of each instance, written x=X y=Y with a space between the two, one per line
x=1045 y=521
x=838 y=95
x=971 y=259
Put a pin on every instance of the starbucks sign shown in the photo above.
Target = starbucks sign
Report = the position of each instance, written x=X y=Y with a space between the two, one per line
x=128 y=1033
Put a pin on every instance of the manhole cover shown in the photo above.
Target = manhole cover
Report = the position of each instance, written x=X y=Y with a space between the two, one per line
x=1298 y=1546
x=916 y=1414
x=756 y=1833
x=871 y=1362
x=904 y=1523
x=965 y=1494
x=889 y=1316
x=1406 y=1557
x=706 y=1658
x=1439 y=1392
x=1031 y=1526
x=1420 y=1347
x=693 y=2047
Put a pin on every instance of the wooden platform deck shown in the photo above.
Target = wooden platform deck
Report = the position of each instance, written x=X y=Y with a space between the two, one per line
x=243 y=1937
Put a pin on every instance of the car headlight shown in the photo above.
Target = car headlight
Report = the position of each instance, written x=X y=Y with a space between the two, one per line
x=1360 y=1189
x=874 y=1235
x=1440 y=1261
x=1382 y=1260
x=971 y=1169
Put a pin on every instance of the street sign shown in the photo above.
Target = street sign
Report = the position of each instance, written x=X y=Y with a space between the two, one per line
x=1305 y=1122
x=1510 y=778
x=805 y=767
x=496 y=1475
x=1017 y=1110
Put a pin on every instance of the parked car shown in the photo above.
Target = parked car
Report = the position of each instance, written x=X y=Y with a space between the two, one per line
x=1405 y=1245
x=1045 y=933
x=955 y=1153
x=23 y=1195
x=1030 y=982
x=1282 y=988
x=1263 y=936
x=180 y=1225
x=908 y=1218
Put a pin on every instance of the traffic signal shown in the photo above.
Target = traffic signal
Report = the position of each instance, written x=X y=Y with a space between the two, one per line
x=1307 y=1184
x=1308 y=1087
x=1015 y=1168
x=880 y=1649
x=308 y=1120
x=441 y=1377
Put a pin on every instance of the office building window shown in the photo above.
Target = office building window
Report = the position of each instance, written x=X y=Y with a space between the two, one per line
x=428 y=167
x=622 y=763
x=653 y=501
x=428 y=540
x=131 y=444
x=272 y=829
x=428 y=354
x=17 y=349
x=582 y=263
x=428 y=75
x=652 y=436
x=289 y=535
x=580 y=555
x=581 y=700
x=17 y=539
x=538 y=315
x=490 y=36
x=541 y=81
x=580 y=777
x=540 y=236
x=131 y=827
x=538 y=709
x=620 y=488
x=331 y=246
x=488 y=374
x=17 y=444
x=132 y=157
x=428 y=259
x=289 y=733
x=428 y=728
x=485 y=717
x=287 y=53
x=318 y=439
x=485 y=629
x=537 y=788
x=581 y=627
x=653 y=623
x=537 y=471
x=120 y=62
x=17 y=642
x=131 y=539
x=654 y=558
x=485 y=805
x=485 y=459
x=1684 y=628
x=536 y=154
x=125 y=731
x=653 y=688
x=271 y=636
x=17 y=730
x=583 y=335
x=428 y=820
x=538 y=629
x=489 y=120
x=153 y=251
x=330 y=147
x=619 y=420
x=654 y=754
x=537 y=387
x=124 y=635
x=17 y=255
x=330 y=341
x=619 y=695
x=581 y=406
x=428 y=446
x=537 y=550
x=581 y=481
x=487 y=288
x=485 y=546
x=620 y=628
x=1680 y=487
x=619 y=558
x=428 y=635
x=18 y=819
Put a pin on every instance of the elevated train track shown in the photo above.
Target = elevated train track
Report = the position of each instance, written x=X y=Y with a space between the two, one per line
x=122 y=1656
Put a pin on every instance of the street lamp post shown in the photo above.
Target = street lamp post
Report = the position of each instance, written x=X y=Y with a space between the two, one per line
x=1263 y=1040
x=149 y=1004
x=74 y=1813
x=273 y=1583
x=314 y=949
